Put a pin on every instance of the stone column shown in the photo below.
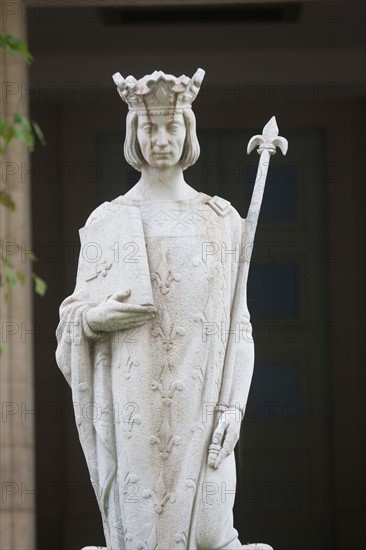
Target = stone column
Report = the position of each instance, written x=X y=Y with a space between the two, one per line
x=17 y=501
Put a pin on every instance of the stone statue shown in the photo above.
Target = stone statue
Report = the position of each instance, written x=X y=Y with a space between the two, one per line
x=155 y=341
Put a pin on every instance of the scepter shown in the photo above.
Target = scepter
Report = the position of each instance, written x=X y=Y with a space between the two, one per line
x=267 y=144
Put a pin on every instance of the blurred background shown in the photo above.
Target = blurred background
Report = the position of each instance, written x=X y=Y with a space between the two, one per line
x=301 y=482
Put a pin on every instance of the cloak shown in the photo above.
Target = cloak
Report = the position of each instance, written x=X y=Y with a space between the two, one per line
x=147 y=400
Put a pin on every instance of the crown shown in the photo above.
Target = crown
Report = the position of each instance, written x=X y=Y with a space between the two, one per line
x=159 y=92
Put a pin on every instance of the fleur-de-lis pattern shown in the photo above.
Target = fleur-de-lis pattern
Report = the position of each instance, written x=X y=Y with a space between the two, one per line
x=165 y=329
x=165 y=439
x=130 y=421
x=163 y=276
x=132 y=361
x=167 y=394
x=150 y=543
x=159 y=494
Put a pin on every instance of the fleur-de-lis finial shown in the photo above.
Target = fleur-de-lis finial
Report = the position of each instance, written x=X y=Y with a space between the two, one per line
x=268 y=140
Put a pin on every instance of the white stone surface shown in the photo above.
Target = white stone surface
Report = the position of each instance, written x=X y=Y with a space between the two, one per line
x=160 y=390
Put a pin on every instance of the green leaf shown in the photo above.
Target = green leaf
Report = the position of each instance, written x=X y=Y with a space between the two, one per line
x=26 y=137
x=21 y=118
x=21 y=277
x=23 y=131
x=14 y=45
x=38 y=132
x=7 y=131
x=10 y=278
x=6 y=200
x=40 y=286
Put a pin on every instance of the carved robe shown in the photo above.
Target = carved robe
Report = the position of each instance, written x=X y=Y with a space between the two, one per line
x=147 y=400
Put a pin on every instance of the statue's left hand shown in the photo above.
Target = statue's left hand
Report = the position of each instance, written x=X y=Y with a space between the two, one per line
x=224 y=438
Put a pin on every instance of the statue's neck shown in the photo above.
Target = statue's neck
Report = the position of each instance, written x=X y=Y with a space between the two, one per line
x=162 y=185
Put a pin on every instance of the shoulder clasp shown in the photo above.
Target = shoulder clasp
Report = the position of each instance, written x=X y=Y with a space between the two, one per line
x=219 y=205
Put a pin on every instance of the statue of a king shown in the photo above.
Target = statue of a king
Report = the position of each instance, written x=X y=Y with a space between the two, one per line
x=155 y=341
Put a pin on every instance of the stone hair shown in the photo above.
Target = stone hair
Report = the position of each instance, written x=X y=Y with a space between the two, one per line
x=191 y=148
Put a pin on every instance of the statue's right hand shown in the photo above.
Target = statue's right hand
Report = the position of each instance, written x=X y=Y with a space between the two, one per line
x=114 y=314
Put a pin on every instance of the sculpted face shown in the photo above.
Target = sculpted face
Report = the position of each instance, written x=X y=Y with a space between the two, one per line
x=161 y=139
